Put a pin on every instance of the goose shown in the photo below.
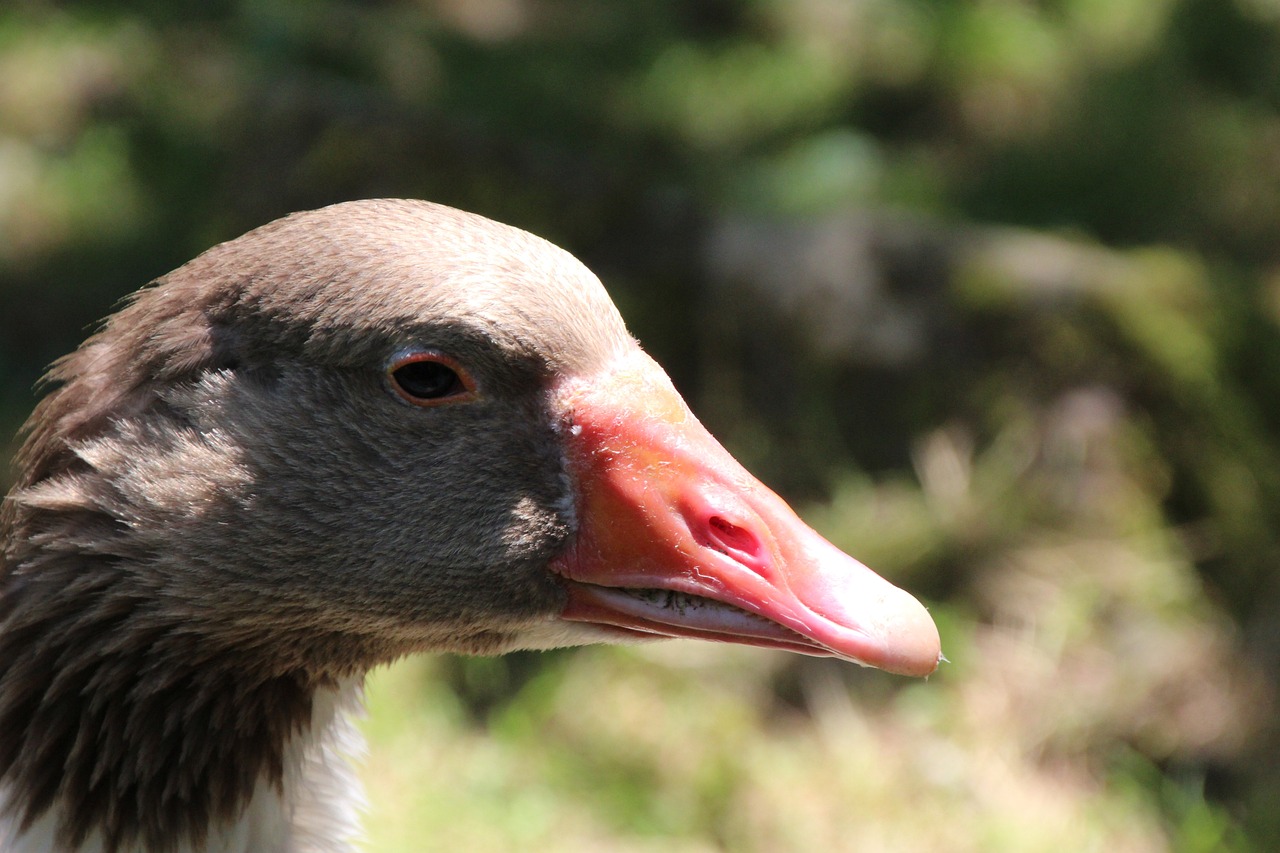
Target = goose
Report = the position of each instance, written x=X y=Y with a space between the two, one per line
x=378 y=428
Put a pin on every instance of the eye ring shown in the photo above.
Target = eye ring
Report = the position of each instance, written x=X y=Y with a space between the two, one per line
x=424 y=378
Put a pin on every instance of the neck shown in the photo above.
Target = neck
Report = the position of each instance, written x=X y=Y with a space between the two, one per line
x=154 y=706
x=307 y=802
x=125 y=728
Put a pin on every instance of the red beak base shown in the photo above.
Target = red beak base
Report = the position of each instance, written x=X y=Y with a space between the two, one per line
x=676 y=539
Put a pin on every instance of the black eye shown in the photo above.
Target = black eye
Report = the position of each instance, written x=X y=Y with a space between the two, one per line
x=426 y=378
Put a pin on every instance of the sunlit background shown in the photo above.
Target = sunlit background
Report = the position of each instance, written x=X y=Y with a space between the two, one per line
x=990 y=290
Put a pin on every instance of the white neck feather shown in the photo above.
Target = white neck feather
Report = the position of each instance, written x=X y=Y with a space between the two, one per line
x=316 y=810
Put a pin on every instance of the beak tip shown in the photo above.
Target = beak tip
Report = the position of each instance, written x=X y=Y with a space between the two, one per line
x=912 y=645
x=874 y=622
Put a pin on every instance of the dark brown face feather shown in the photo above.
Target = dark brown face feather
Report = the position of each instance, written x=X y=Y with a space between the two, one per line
x=221 y=506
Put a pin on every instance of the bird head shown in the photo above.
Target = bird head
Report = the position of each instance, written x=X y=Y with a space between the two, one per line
x=390 y=426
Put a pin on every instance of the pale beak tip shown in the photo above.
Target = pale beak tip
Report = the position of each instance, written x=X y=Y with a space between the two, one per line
x=910 y=636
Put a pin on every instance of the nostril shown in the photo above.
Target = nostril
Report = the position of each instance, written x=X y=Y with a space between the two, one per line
x=736 y=542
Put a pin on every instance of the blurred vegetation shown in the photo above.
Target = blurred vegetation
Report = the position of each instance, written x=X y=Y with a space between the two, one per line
x=991 y=288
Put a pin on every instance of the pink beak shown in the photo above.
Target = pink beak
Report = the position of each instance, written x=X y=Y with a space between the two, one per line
x=676 y=539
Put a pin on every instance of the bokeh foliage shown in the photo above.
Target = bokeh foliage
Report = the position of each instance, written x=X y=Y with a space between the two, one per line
x=990 y=287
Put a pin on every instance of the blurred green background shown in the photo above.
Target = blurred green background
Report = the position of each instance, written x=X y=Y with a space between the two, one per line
x=990 y=290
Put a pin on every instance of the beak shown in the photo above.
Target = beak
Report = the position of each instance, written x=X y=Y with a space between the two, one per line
x=676 y=539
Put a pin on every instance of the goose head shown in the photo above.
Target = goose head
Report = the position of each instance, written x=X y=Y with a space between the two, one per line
x=378 y=428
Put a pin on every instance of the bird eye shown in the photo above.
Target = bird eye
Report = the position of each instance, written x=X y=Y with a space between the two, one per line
x=426 y=378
